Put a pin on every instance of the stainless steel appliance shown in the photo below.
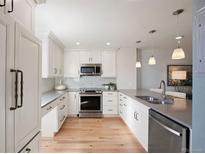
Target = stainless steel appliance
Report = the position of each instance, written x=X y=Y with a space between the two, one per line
x=90 y=70
x=166 y=136
x=90 y=103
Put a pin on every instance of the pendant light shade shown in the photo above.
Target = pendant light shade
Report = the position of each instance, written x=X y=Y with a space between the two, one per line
x=152 y=60
x=178 y=53
x=138 y=64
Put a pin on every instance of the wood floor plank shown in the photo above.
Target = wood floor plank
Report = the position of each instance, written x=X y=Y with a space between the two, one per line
x=92 y=135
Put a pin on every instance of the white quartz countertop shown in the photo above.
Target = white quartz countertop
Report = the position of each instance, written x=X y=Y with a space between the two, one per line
x=50 y=96
x=180 y=111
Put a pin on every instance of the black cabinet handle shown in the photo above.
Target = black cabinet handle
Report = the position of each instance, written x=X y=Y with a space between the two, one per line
x=12 y=7
x=16 y=89
x=2 y=5
x=28 y=150
x=21 y=89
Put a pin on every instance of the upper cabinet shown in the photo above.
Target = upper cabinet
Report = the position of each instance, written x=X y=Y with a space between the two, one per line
x=90 y=57
x=71 y=64
x=74 y=58
x=21 y=10
x=109 y=64
x=52 y=57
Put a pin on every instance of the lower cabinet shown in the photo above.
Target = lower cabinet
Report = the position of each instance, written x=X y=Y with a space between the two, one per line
x=57 y=112
x=73 y=103
x=136 y=116
x=110 y=103
x=32 y=146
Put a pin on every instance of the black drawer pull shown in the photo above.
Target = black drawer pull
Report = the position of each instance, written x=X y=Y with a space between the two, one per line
x=12 y=7
x=21 y=95
x=2 y=5
x=16 y=89
x=28 y=150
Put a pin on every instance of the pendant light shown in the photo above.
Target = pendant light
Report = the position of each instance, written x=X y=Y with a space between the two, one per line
x=178 y=53
x=152 y=60
x=138 y=63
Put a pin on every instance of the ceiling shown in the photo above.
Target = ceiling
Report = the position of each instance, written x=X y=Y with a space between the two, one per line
x=93 y=23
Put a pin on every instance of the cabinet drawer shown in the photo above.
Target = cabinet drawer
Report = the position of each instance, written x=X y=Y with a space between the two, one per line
x=110 y=110
x=110 y=94
x=33 y=146
x=61 y=108
x=61 y=119
x=110 y=101
x=48 y=108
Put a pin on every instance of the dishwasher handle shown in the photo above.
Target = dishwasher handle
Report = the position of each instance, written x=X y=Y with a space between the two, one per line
x=166 y=127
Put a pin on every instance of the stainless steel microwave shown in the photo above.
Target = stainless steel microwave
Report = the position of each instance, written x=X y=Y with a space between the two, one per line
x=90 y=70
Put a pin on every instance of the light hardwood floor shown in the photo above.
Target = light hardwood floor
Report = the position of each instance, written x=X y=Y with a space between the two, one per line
x=92 y=135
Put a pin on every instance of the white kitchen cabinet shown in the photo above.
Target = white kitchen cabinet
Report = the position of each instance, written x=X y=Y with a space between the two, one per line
x=6 y=28
x=52 y=56
x=23 y=12
x=199 y=42
x=90 y=57
x=54 y=115
x=136 y=116
x=108 y=64
x=110 y=103
x=71 y=64
x=58 y=59
x=33 y=145
x=139 y=122
x=73 y=102
x=23 y=114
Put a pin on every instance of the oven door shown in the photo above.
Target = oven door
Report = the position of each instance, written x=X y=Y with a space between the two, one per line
x=90 y=103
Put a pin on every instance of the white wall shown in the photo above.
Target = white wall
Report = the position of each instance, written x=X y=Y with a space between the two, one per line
x=126 y=70
x=151 y=75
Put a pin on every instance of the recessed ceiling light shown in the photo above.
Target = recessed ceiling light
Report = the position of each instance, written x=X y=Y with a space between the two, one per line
x=108 y=43
x=77 y=43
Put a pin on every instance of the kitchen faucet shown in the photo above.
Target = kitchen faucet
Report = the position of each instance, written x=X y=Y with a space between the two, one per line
x=164 y=89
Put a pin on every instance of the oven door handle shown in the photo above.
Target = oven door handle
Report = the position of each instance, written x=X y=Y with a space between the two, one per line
x=90 y=94
x=85 y=102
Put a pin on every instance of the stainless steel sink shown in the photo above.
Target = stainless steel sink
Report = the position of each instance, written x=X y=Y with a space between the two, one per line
x=154 y=100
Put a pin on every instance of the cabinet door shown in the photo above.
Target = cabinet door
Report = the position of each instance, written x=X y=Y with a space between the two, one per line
x=108 y=64
x=23 y=12
x=71 y=64
x=52 y=71
x=61 y=62
x=28 y=60
x=95 y=57
x=85 y=57
x=33 y=146
x=143 y=119
x=72 y=103
x=199 y=43
x=6 y=46
x=2 y=8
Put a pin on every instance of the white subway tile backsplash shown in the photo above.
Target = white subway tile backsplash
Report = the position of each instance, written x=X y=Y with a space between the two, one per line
x=88 y=82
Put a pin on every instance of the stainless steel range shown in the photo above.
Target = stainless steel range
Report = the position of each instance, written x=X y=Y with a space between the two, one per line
x=90 y=102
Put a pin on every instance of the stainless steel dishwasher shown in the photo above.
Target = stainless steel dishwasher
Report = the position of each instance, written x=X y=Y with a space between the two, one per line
x=166 y=135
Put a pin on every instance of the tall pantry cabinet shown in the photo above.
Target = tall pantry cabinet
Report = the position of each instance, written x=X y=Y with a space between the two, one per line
x=19 y=87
